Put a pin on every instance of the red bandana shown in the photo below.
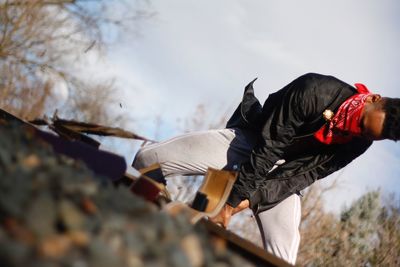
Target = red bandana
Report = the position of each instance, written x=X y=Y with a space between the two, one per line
x=346 y=122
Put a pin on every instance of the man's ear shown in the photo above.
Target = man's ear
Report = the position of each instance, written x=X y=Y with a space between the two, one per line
x=373 y=98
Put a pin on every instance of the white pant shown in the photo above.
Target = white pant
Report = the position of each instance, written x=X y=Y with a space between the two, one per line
x=193 y=153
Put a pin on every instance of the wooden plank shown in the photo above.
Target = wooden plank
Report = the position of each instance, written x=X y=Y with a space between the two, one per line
x=101 y=162
x=247 y=249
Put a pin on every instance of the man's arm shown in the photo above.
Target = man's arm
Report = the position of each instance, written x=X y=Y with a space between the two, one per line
x=273 y=191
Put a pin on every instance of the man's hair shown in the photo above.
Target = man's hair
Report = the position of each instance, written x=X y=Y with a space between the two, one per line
x=391 y=125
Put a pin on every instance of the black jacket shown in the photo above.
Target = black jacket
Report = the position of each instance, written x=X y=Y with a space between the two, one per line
x=285 y=125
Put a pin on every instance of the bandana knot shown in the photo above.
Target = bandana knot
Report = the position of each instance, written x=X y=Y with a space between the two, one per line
x=345 y=124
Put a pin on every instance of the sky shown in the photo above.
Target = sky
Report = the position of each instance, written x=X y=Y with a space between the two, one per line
x=204 y=52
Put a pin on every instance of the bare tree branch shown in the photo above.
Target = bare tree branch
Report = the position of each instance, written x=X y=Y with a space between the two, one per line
x=43 y=42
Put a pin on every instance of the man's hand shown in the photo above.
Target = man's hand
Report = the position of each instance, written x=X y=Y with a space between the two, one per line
x=224 y=216
x=242 y=205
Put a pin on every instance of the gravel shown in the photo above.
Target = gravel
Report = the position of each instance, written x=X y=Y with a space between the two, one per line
x=56 y=212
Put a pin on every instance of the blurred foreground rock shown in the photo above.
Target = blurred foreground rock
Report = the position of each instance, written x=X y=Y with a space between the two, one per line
x=55 y=212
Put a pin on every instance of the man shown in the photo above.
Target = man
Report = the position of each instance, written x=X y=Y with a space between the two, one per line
x=309 y=129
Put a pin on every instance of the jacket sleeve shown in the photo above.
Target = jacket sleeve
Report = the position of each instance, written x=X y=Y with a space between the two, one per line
x=273 y=191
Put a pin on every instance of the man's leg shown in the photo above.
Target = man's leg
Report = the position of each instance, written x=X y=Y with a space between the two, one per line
x=279 y=228
x=193 y=153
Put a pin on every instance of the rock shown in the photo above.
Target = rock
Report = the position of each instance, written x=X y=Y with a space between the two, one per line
x=18 y=231
x=41 y=215
x=100 y=255
x=70 y=216
x=134 y=242
x=14 y=253
x=88 y=205
x=176 y=256
x=54 y=247
x=31 y=161
x=87 y=187
x=134 y=260
x=79 y=238
x=192 y=247
x=115 y=242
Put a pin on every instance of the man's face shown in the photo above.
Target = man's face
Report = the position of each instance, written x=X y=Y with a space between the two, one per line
x=372 y=118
